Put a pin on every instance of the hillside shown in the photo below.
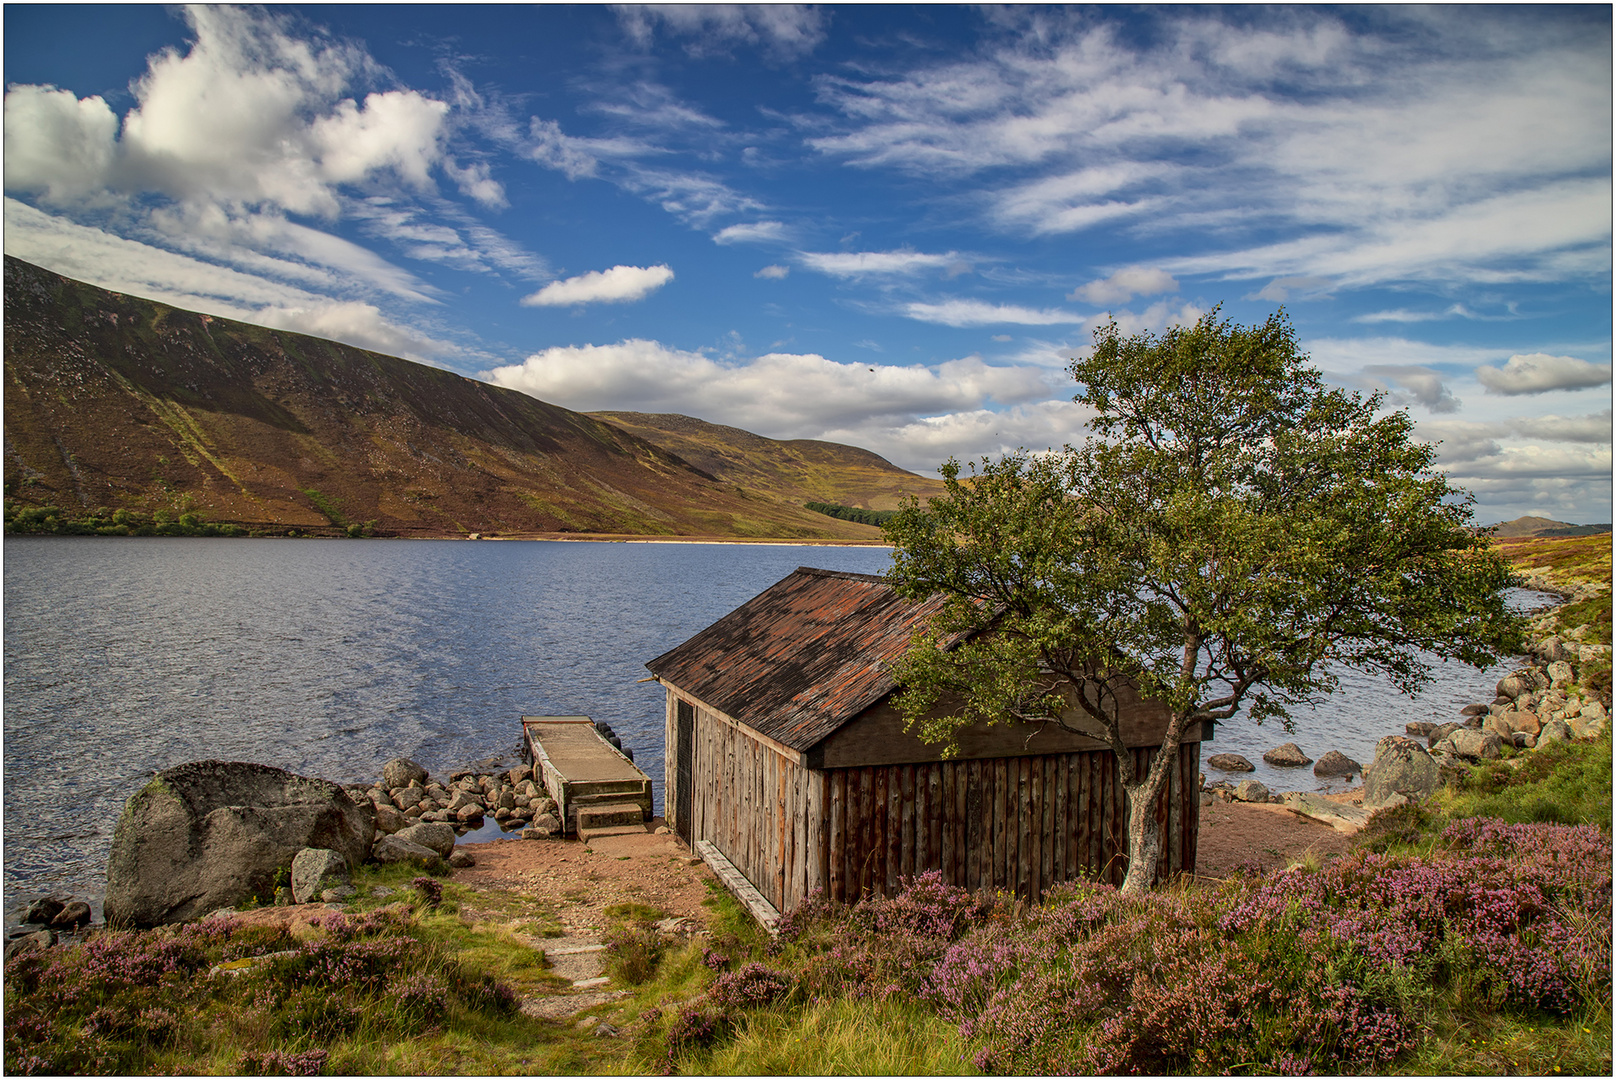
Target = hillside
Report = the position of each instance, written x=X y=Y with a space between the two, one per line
x=795 y=470
x=115 y=402
x=1541 y=526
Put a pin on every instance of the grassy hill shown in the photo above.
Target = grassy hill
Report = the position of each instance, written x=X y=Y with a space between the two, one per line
x=114 y=403
x=1541 y=526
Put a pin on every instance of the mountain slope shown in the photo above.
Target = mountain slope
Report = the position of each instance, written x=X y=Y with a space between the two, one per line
x=795 y=470
x=114 y=401
x=1542 y=526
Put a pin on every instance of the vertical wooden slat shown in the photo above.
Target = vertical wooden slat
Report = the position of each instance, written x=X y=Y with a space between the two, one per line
x=894 y=829
x=1057 y=818
x=1192 y=815
x=1107 y=817
x=816 y=826
x=866 y=849
x=934 y=816
x=1028 y=781
x=1046 y=864
x=992 y=774
x=836 y=856
x=878 y=816
x=947 y=850
x=908 y=803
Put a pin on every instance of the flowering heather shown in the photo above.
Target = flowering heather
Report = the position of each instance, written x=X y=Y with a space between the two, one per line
x=750 y=987
x=280 y=1063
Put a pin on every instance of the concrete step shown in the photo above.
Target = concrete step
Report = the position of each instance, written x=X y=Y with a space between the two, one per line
x=602 y=815
x=587 y=834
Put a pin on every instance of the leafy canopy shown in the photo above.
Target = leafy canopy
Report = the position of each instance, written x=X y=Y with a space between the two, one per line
x=1232 y=534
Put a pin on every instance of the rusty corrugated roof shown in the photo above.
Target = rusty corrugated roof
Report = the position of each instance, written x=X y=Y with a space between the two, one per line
x=801 y=658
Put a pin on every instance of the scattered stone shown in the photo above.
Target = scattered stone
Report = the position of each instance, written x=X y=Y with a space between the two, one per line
x=74 y=914
x=390 y=849
x=402 y=772
x=1230 y=763
x=547 y=821
x=1523 y=740
x=436 y=836
x=1422 y=728
x=1338 y=816
x=606 y=1031
x=39 y=939
x=1500 y=726
x=1518 y=720
x=1251 y=791
x=211 y=834
x=315 y=870
x=1335 y=763
x=1288 y=755
x=1401 y=771
x=1441 y=732
x=1554 y=731
x=46 y=908
x=388 y=818
x=520 y=774
x=662 y=830
x=284 y=897
x=1513 y=686
x=1474 y=745
x=1468 y=710
x=1560 y=674
x=460 y=859
x=381 y=891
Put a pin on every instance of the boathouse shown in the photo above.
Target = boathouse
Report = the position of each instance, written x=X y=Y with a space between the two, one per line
x=786 y=757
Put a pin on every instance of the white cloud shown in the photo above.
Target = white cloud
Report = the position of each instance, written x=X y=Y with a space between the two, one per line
x=57 y=145
x=979 y=313
x=1537 y=373
x=774 y=272
x=786 y=30
x=751 y=233
x=1280 y=289
x=1156 y=318
x=783 y=395
x=357 y=324
x=852 y=264
x=1592 y=428
x=1415 y=385
x=1125 y=284
x=620 y=284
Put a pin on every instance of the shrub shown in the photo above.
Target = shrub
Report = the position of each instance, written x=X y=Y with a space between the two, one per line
x=633 y=951
x=750 y=987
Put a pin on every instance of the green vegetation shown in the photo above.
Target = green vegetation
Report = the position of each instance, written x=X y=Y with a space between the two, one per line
x=1233 y=531
x=852 y=513
x=53 y=520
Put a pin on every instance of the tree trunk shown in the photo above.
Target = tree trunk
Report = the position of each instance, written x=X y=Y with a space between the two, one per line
x=1144 y=837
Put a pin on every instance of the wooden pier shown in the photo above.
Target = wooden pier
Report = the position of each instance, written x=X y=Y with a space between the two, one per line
x=598 y=789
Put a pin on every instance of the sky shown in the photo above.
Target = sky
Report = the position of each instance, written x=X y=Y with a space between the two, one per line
x=887 y=226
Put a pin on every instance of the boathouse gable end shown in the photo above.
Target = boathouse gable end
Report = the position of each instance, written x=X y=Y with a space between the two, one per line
x=786 y=758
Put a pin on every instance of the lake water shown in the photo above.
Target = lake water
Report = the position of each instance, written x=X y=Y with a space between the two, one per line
x=329 y=657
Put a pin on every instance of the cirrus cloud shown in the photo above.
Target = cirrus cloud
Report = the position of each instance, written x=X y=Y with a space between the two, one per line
x=620 y=284
x=980 y=313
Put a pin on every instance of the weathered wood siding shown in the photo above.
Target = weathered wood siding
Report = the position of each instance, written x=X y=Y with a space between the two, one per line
x=1020 y=824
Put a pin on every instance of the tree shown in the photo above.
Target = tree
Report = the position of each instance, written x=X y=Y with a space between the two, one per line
x=1232 y=533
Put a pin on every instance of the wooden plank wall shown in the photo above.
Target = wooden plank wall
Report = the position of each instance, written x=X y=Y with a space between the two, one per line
x=1019 y=824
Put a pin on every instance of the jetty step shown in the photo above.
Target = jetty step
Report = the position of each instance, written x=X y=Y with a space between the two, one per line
x=606 y=814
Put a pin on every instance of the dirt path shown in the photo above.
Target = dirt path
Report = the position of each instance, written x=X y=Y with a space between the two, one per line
x=1237 y=834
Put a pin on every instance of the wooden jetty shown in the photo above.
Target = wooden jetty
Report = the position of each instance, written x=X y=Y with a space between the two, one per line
x=599 y=791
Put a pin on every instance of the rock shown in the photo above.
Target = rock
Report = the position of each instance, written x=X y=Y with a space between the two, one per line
x=461 y=859
x=1523 y=740
x=338 y=894
x=388 y=819
x=1288 y=755
x=1335 y=763
x=1474 y=745
x=547 y=821
x=1499 y=725
x=1401 y=771
x=1440 y=732
x=413 y=813
x=39 y=939
x=439 y=837
x=537 y=832
x=464 y=800
x=545 y=805
x=503 y=815
x=1251 y=791
x=1468 y=710
x=74 y=914
x=1587 y=654
x=1517 y=720
x=663 y=830
x=519 y=775
x=315 y=870
x=390 y=849
x=1513 y=686
x=468 y=814
x=1560 y=674
x=284 y=897
x=1551 y=649
x=1230 y=763
x=1421 y=728
x=46 y=908
x=1340 y=816
x=211 y=834
x=402 y=772
x=1554 y=731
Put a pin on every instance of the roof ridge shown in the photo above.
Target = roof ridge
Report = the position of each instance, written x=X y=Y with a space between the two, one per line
x=846 y=574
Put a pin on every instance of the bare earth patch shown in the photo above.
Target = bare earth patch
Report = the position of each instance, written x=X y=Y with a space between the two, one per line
x=1236 y=834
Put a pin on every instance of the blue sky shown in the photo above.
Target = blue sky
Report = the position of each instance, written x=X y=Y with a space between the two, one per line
x=887 y=226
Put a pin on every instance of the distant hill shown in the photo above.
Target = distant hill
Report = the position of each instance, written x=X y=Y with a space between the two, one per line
x=116 y=402
x=1538 y=526
x=795 y=470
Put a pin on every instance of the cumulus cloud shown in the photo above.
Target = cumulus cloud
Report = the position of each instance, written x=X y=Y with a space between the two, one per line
x=774 y=272
x=783 y=395
x=1413 y=385
x=853 y=264
x=750 y=233
x=1125 y=284
x=1156 y=318
x=620 y=284
x=980 y=313
x=1537 y=373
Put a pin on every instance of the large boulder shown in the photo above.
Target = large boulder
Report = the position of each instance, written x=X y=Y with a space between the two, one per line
x=390 y=849
x=1402 y=770
x=1230 y=763
x=1335 y=763
x=1288 y=755
x=214 y=834
x=1251 y=791
x=1474 y=745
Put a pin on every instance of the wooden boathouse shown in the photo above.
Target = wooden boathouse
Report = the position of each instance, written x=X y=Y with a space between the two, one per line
x=786 y=757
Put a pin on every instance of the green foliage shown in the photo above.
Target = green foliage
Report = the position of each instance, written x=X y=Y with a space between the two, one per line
x=1234 y=533
x=53 y=520
x=331 y=508
x=852 y=513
